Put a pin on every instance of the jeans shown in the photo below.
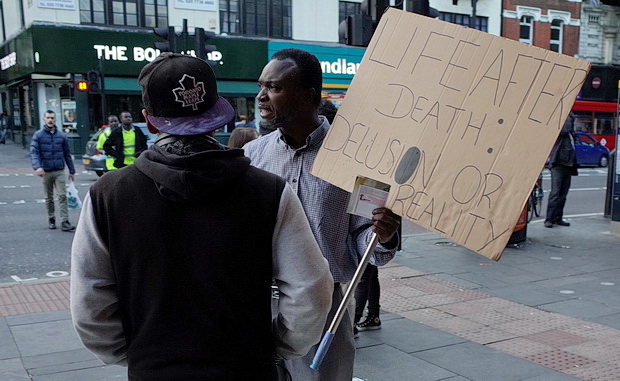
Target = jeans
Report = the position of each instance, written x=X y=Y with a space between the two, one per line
x=368 y=289
x=55 y=180
x=560 y=184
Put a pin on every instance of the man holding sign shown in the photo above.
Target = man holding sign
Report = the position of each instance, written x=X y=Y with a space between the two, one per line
x=289 y=97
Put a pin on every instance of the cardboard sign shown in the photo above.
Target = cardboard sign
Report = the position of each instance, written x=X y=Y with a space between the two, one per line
x=458 y=121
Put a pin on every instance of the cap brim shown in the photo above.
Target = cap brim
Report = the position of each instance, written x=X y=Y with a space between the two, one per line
x=216 y=117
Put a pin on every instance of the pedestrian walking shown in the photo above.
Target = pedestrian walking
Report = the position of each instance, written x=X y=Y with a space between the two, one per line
x=563 y=165
x=125 y=144
x=49 y=151
x=174 y=257
x=289 y=98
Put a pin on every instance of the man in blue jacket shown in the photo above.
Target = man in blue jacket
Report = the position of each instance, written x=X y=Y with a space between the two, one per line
x=49 y=151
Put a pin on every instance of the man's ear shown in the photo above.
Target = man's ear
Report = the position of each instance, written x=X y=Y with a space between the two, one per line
x=152 y=129
x=310 y=94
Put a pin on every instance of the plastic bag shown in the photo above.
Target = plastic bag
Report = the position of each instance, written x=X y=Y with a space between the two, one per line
x=73 y=198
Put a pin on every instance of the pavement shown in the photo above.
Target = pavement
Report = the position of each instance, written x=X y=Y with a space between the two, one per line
x=548 y=310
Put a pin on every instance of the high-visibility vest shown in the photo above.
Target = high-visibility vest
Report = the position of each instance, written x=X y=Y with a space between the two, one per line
x=129 y=146
x=109 y=161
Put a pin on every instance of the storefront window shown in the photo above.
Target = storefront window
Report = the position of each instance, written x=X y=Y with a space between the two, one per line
x=271 y=18
x=140 y=13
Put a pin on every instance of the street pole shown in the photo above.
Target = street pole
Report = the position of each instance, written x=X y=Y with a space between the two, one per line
x=184 y=35
x=104 y=110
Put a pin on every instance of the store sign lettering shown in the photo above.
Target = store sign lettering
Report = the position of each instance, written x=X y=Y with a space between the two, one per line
x=340 y=66
x=139 y=54
x=8 y=61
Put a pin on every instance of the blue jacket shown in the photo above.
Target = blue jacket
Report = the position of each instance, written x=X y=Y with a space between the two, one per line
x=51 y=151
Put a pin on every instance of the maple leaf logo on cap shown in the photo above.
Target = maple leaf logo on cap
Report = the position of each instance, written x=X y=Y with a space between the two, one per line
x=190 y=93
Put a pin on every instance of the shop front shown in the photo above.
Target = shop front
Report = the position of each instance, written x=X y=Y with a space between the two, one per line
x=41 y=66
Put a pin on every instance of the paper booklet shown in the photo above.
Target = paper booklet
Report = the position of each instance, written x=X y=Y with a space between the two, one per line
x=368 y=194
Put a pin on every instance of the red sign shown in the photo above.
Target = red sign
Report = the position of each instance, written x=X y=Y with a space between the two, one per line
x=596 y=82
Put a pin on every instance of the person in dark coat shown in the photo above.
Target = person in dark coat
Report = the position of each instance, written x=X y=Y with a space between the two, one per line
x=563 y=163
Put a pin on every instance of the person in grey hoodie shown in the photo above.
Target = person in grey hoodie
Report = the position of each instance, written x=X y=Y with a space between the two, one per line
x=174 y=256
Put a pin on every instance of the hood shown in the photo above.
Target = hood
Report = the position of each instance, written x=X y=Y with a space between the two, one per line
x=190 y=177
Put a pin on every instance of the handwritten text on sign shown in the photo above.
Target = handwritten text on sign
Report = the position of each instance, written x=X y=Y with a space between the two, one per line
x=459 y=122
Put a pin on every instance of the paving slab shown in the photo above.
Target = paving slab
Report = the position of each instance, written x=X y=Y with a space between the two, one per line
x=40 y=317
x=385 y=363
x=477 y=362
x=44 y=338
x=108 y=373
x=8 y=349
x=12 y=370
x=409 y=336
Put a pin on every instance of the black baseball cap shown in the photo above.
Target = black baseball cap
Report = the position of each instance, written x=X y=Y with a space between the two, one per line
x=180 y=94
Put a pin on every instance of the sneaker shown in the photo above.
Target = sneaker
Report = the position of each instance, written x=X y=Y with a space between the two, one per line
x=52 y=224
x=548 y=224
x=370 y=323
x=562 y=223
x=67 y=227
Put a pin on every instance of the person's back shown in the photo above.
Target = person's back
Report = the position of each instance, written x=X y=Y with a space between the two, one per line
x=157 y=275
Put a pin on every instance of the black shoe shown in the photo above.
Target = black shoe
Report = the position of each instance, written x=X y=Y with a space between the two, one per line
x=370 y=323
x=52 y=224
x=67 y=227
x=548 y=224
x=562 y=223
x=356 y=332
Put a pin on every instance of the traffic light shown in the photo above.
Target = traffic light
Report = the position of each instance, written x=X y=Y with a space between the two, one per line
x=93 y=82
x=168 y=34
x=81 y=86
x=204 y=50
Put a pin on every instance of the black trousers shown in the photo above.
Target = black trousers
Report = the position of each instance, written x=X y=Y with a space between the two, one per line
x=560 y=184
x=368 y=289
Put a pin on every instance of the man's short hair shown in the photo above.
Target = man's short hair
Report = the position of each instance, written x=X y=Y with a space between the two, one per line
x=310 y=73
x=50 y=112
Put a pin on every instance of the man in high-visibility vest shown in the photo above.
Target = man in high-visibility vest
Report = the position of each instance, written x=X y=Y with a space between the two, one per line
x=125 y=144
x=113 y=124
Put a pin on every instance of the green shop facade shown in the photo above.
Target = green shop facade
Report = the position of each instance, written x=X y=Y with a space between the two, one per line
x=40 y=67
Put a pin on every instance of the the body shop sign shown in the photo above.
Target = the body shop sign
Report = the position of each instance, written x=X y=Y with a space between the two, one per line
x=124 y=53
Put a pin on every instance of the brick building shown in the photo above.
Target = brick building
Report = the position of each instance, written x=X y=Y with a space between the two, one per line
x=549 y=24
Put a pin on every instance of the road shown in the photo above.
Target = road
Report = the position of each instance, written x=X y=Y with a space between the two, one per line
x=587 y=196
x=30 y=251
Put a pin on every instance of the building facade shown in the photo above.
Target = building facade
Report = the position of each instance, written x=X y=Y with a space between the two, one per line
x=49 y=45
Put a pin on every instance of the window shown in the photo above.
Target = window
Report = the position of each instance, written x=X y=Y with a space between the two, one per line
x=345 y=9
x=268 y=18
x=138 y=13
x=525 y=30
x=557 y=27
x=481 y=23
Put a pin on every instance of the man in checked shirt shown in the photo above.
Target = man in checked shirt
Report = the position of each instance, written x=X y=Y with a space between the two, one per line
x=289 y=97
